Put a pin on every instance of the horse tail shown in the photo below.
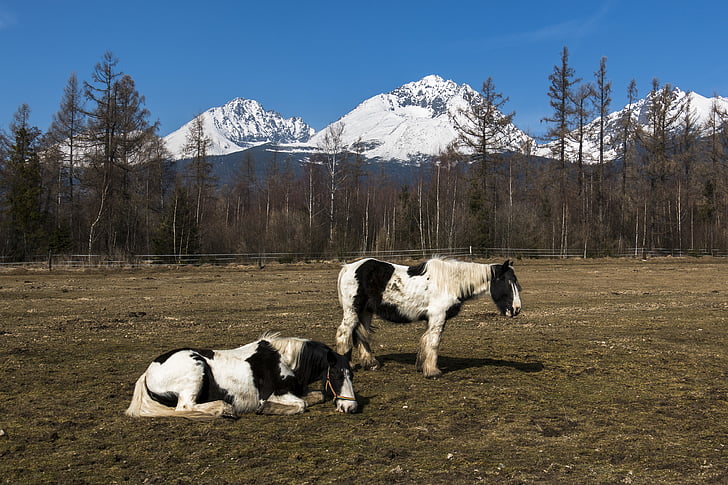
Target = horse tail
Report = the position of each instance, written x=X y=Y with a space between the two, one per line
x=140 y=391
x=143 y=405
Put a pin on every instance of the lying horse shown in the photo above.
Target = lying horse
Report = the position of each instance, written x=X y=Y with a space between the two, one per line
x=268 y=376
x=432 y=291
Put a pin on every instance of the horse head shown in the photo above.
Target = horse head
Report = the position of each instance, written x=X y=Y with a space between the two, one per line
x=505 y=290
x=339 y=383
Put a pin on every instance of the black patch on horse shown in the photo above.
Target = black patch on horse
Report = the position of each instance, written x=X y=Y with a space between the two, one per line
x=265 y=365
x=392 y=314
x=168 y=399
x=417 y=270
x=208 y=354
x=163 y=358
x=372 y=276
x=453 y=310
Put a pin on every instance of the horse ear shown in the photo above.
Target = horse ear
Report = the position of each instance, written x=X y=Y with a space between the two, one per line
x=504 y=267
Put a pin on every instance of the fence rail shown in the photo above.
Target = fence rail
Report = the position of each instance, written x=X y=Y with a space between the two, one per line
x=262 y=258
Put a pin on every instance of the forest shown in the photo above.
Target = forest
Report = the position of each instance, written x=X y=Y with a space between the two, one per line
x=100 y=182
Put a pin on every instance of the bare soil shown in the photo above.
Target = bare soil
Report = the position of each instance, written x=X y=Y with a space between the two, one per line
x=615 y=372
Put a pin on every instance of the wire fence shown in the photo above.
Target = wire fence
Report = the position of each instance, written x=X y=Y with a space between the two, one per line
x=51 y=261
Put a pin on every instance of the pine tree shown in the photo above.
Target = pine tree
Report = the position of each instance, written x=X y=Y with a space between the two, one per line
x=485 y=131
x=25 y=231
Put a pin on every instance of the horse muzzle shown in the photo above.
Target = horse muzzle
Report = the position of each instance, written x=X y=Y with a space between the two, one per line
x=345 y=405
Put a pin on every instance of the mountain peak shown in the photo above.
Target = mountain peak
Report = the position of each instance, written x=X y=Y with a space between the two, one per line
x=413 y=122
x=239 y=124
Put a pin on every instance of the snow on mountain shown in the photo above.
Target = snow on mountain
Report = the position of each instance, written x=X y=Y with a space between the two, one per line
x=700 y=109
x=240 y=124
x=411 y=123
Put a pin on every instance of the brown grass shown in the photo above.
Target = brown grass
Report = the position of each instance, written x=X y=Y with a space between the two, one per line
x=616 y=371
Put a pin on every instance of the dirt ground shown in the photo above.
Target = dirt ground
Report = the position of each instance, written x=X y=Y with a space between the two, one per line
x=615 y=372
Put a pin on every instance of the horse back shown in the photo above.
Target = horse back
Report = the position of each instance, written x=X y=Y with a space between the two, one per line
x=394 y=292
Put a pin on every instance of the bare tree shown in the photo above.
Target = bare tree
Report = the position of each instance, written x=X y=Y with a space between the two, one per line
x=199 y=169
x=117 y=131
x=560 y=94
x=332 y=148
x=663 y=114
x=716 y=186
x=581 y=96
x=624 y=143
x=67 y=129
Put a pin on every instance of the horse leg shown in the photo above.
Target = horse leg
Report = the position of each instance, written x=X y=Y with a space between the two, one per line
x=284 y=404
x=344 y=335
x=188 y=408
x=429 y=345
x=363 y=335
x=313 y=397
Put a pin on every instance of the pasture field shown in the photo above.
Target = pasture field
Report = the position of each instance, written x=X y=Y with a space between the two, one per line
x=615 y=372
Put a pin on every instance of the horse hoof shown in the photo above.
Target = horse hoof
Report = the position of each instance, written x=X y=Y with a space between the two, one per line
x=371 y=366
x=433 y=375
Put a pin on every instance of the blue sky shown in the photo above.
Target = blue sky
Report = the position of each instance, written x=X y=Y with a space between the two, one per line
x=319 y=60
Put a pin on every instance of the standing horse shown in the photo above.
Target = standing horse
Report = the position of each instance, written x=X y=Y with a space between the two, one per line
x=268 y=376
x=432 y=291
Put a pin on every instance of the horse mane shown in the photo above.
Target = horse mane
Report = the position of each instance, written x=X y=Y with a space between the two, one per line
x=300 y=354
x=459 y=278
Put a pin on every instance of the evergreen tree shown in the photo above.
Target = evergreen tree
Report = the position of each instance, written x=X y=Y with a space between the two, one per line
x=485 y=131
x=23 y=191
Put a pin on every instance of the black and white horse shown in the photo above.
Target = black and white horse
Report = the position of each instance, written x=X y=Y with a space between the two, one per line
x=268 y=376
x=432 y=291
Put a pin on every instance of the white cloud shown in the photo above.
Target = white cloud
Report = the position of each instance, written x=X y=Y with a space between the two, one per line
x=569 y=29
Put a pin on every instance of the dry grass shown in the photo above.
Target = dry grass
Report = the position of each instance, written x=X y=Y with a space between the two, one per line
x=615 y=372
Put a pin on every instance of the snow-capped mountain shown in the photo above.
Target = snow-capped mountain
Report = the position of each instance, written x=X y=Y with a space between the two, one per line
x=700 y=113
x=240 y=124
x=407 y=125
x=411 y=123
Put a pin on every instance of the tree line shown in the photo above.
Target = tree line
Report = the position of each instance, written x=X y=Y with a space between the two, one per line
x=100 y=181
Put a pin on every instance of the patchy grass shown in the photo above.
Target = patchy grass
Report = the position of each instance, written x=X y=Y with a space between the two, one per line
x=616 y=371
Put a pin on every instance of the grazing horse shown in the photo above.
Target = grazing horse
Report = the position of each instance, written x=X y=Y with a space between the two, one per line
x=432 y=291
x=268 y=376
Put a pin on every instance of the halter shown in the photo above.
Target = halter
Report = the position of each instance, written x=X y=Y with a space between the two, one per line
x=331 y=387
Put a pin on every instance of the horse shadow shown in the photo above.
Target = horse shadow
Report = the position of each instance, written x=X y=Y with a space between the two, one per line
x=451 y=364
